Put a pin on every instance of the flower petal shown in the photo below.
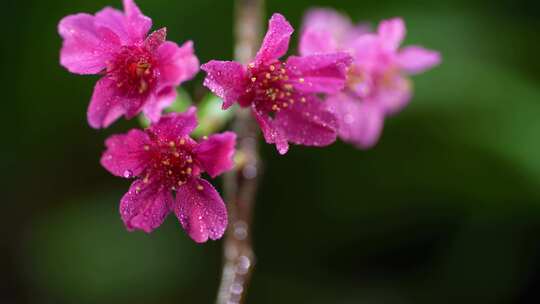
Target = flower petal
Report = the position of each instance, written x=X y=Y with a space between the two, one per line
x=145 y=206
x=125 y=155
x=137 y=24
x=276 y=41
x=154 y=40
x=108 y=104
x=272 y=135
x=200 y=210
x=309 y=124
x=156 y=103
x=323 y=31
x=314 y=41
x=323 y=18
x=104 y=107
x=86 y=48
x=226 y=79
x=365 y=52
x=416 y=59
x=360 y=123
x=391 y=33
x=322 y=73
x=176 y=64
x=175 y=125
x=394 y=95
x=215 y=154
x=115 y=21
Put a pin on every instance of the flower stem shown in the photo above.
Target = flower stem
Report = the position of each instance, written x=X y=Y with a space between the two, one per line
x=240 y=185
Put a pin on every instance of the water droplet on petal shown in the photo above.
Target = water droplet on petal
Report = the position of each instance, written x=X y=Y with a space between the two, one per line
x=128 y=174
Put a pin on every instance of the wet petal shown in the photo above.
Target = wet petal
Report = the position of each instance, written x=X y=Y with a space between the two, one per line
x=226 y=79
x=145 y=206
x=416 y=59
x=175 y=125
x=115 y=21
x=176 y=64
x=154 y=40
x=126 y=155
x=271 y=133
x=323 y=73
x=137 y=24
x=391 y=33
x=360 y=123
x=86 y=48
x=156 y=103
x=105 y=106
x=200 y=210
x=215 y=154
x=276 y=41
x=309 y=124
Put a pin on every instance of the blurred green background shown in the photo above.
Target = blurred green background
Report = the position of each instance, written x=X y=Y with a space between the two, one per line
x=445 y=209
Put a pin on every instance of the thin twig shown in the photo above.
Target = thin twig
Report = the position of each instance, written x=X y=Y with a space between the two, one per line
x=240 y=185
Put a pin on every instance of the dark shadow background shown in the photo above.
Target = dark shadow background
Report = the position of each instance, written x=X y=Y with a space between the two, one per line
x=444 y=210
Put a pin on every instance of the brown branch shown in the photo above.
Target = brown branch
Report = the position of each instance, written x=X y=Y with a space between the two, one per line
x=240 y=185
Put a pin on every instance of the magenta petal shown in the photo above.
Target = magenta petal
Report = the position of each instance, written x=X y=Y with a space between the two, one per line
x=176 y=64
x=86 y=48
x=175 y=125
x=360 y=123
x=226 y=79
x=156 y=103
x=308 y=124
x=137 y=24
x=105 y=106
x=323 y=73
x=276 y=41
x=416 y=59
x=215 y=154
x=154 y=40
x=200 y=210
x=271 y=133
x=391 y=33
x=125 y=155
x=145 y=206
x=108 y=104
x=115 y=21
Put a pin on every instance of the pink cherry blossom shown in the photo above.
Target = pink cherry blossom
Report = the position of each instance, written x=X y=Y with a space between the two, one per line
x=165 y=160
x=377 y=83
x=283 y=94
x=140 y=72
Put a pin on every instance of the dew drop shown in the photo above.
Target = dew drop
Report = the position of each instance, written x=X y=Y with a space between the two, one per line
x=128 y=174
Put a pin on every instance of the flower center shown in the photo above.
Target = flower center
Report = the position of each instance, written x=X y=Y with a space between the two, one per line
x=272 y=86
x=172 y=162
x=133 y=70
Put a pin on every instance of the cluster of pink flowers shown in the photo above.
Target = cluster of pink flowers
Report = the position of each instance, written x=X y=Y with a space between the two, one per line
x=346 y=81
x=141 y=73
x=377 y=83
